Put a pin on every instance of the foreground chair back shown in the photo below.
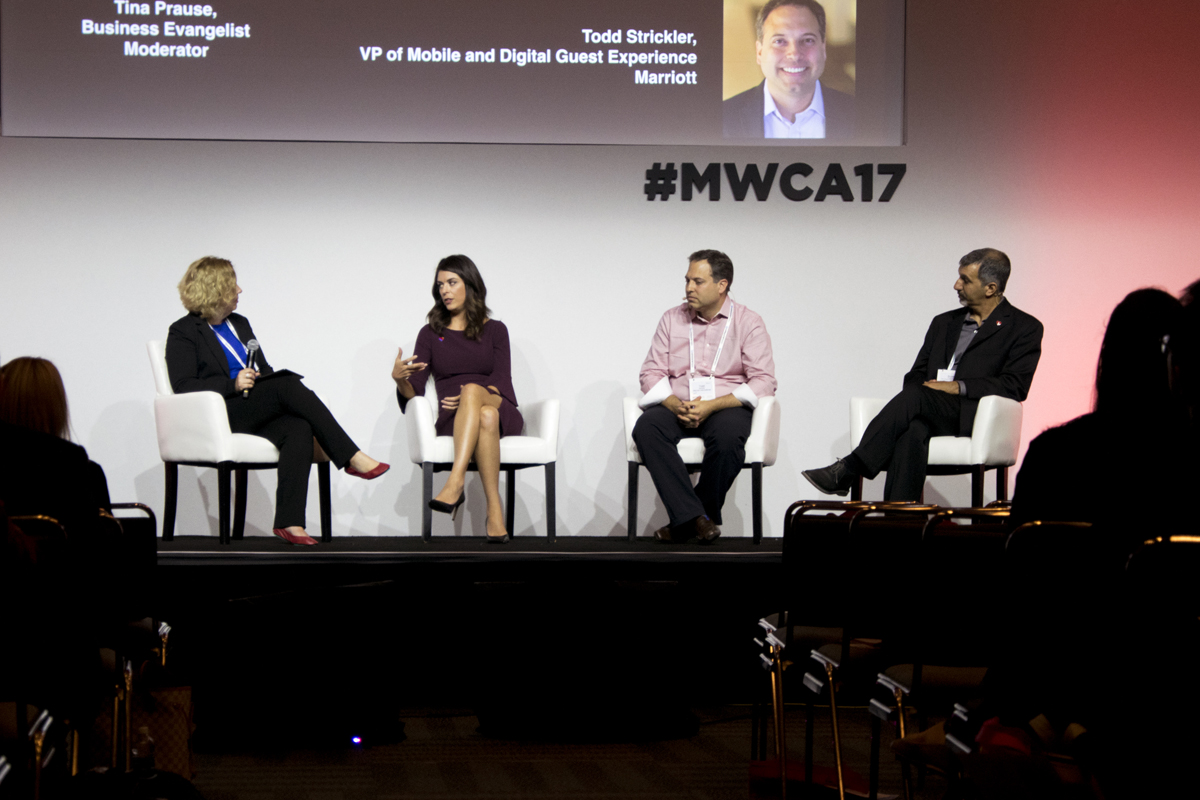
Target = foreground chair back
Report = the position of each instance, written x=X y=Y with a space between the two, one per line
x=193 y=430
x=871 y=570
x=945 y=639
x=993 y=444
x=537 y=446
x=761 y=450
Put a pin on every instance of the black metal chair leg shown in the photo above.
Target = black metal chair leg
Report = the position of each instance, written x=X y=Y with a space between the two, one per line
x=326 y=501
x=510 y=499
x=1002 y=483
x=977 y=474
x=551 y=502
x=756 y=476
x=171 y=479
x=426 y=496
x=633 y=499
x=856 y=488
x=224 y=474
x=239 y=502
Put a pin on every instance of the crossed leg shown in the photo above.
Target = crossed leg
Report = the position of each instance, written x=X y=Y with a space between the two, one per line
x=477 y=434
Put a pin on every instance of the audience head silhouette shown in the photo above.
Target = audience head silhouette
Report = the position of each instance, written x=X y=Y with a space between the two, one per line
x=1134 y=374
x=32 y=396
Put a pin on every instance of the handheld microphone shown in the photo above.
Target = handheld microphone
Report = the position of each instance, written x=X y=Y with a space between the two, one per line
x=251 y=349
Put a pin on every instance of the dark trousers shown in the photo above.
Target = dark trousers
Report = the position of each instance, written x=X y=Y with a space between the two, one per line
x=286 y=413
x=725 y=432
x=898 y=439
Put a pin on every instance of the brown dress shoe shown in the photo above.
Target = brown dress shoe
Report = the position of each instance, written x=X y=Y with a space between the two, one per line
x=663 y=534
x=706 y=530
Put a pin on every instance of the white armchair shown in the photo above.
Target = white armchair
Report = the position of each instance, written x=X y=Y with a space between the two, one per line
x=193 y=430
x=536 y=447
x=761 y=450
x=993 y=444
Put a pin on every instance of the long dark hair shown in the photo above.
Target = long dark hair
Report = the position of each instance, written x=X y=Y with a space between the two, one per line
x=475 y=306
x=1132 y=376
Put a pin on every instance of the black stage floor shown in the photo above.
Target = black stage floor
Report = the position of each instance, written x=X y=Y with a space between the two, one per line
x=374 y=550
x=362 y=626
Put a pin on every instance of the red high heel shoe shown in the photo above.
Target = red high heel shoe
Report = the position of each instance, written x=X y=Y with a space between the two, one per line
x=380 y=468
x=293 y=538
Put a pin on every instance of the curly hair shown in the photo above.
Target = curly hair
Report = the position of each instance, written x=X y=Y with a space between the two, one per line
x=475 y=306
x=208 y=287
x=32 y=396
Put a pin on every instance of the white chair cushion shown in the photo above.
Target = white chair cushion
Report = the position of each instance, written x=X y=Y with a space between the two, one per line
x=251 y=449
x=994 y=441
x=538 y=446
x=950 y=450
x=691 y=450
x=761 y=446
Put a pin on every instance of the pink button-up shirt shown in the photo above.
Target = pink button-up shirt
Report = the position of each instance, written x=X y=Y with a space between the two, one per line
x=746 y=369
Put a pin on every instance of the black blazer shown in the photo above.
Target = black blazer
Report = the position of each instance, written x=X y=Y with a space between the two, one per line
x=196 y=359
x=742 y=114
x=1001 y=359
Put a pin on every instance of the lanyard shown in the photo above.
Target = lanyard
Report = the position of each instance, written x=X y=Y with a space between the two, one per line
x=720 y=347
x=228 y=346
x=954 y=357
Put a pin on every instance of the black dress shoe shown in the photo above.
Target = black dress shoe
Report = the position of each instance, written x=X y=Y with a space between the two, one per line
x=706 y=530
x=834 y=479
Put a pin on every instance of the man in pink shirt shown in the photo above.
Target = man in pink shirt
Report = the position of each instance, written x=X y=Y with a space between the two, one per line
x=709 y=363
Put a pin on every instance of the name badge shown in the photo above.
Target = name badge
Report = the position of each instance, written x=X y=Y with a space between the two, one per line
x=946 y=374
x=702 y=386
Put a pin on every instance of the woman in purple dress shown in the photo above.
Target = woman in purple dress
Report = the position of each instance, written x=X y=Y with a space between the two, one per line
x=468 y=355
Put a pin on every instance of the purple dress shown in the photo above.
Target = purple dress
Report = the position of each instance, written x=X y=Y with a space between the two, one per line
x=455 y=361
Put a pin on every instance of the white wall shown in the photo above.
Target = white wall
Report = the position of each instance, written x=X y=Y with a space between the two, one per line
x=1010 y=144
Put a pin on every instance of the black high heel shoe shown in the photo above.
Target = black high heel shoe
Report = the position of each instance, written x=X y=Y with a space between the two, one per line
x=499 y=539
x=447 y=508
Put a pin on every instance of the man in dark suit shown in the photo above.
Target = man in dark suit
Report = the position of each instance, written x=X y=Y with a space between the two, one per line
x=790 y=103
x=988 y=347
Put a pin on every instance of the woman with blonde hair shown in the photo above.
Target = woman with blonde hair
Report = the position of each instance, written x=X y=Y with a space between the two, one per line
x=468 y=355
x=207 y=352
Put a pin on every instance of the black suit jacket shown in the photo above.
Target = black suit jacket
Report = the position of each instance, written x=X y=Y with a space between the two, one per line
x=1001 y=359
x=742 y=114
x=196 y=359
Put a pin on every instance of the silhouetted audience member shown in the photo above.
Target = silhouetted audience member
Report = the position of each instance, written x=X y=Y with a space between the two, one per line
x=41 y=472
x=58 y=583
x=1086 y=654
x=1130 y=462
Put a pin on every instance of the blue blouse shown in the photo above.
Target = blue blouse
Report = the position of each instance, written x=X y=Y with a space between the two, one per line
x=229 y=339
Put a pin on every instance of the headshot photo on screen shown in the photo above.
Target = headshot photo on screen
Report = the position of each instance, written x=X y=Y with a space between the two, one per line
x=789 y=69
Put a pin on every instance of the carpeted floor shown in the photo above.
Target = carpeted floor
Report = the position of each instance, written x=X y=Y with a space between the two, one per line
x=444 y=757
